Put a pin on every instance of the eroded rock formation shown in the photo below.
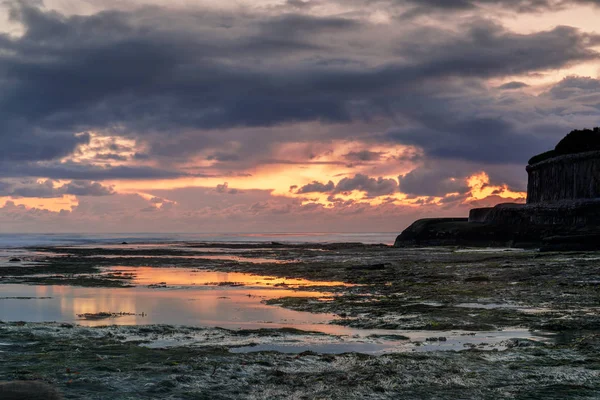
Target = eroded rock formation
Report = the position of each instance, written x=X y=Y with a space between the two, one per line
x=563 y=202
x=568 y=177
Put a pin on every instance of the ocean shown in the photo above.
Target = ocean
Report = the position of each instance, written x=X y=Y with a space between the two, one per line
x=9 y=240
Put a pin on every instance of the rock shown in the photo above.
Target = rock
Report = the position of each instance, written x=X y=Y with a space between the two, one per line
x=568 y=177
x=159 y=285
x=124 y=243
x=28 y=390
x=479 y=214
x=479 y=278
x=562 y=210
x=587 y=242
x=15 y=260
x=373 y=267
x=429 y=231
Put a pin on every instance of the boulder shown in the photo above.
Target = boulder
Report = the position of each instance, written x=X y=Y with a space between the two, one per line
x=28 y=390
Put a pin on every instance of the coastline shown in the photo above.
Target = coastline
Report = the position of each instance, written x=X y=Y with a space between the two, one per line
x=449 y=293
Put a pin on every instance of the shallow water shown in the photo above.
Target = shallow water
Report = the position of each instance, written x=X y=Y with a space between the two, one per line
x=199 y=298
x=186 y=297
x=417 y=341
x=182 y=277
x=224 y=257
x=228 y=307
x=239 y=307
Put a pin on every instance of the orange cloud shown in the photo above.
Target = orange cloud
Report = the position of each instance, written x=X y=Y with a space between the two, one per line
x=481 y=188
x=57 y=204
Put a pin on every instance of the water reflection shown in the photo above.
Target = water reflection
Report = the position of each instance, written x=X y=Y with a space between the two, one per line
x=191 y=277
x=220 y=257
x=202 y=306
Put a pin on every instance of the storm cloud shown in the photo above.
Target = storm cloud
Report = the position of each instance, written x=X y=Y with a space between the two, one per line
x=333 y=97
x=124 y=72
x=316 y=187
x=51 y=189
x=373 y=187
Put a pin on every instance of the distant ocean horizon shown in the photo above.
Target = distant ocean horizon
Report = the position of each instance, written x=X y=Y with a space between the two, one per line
x=8 y=240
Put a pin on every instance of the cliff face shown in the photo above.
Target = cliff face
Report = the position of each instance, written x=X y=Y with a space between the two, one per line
x=562 y=210
x=569 y=177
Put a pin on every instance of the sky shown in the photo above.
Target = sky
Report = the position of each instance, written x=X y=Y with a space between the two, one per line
x=282 y=115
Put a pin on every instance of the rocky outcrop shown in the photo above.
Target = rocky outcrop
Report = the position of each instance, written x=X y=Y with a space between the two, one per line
x=28 y=390
x=479 y=214
x=573 y=214
x=431 y=231
x=461 y=232
x=562 y=210
x=568 y=177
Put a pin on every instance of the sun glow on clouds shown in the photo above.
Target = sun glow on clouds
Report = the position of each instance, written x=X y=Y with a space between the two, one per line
x=479 y=185
x=481 y=188
x=291 y=164
x=320 y=94
x=103 y=149
x=64 y=203
x=296 y=164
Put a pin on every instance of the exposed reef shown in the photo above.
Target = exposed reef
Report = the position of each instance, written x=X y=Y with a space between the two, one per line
x=562 y=210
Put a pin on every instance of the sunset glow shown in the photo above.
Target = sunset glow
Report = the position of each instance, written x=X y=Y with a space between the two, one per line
x=285 y=115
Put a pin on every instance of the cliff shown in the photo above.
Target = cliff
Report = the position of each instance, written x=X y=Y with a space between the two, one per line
x=562 y=210
x=567 y=177
x=459 y=232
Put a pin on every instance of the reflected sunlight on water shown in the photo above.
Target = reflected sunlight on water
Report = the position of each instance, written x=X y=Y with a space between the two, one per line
x=186 y=277
x=230 y=307
x=224 y=257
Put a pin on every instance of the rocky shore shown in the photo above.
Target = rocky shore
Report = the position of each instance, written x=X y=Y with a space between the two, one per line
x=490 y=299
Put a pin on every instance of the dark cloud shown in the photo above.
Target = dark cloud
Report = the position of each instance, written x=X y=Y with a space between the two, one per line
x=126 y=73
x=110 y=157
x=373 y=187
x=232 y=87
x=483 y=140
x=522 y=6
x=299 y=4
x=23 y=142
x=363 y=155
x=513 y=85
x=438 y=182
x=223 y=157
x=86 y=188
x=302 y=24
x=316 y=187
x=574 y=86
x=224 y=188
x=50 y=189
x=79 y=171
x=454 y=199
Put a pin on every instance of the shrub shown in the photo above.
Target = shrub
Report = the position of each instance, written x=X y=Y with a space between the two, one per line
x=542 y=157
x=577 y=141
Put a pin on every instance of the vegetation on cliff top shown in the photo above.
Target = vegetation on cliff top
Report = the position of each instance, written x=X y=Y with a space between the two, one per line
x=577 y=141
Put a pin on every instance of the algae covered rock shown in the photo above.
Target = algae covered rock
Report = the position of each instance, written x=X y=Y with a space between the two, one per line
x=28 y=390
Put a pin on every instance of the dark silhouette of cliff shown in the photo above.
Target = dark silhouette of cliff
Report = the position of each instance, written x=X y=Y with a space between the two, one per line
x=562 y=210
x=577 y=141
